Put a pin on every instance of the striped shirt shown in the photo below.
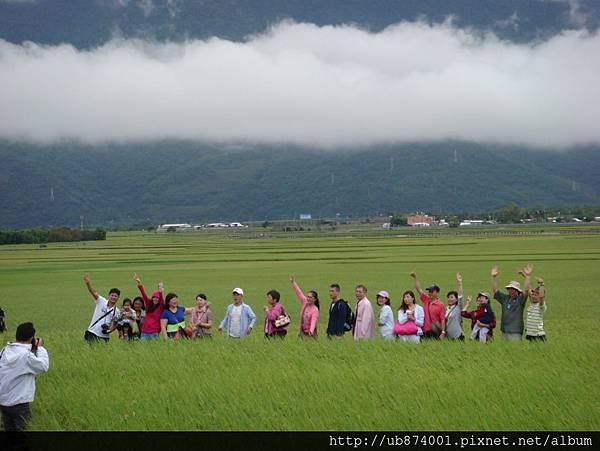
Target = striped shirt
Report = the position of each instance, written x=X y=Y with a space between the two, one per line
x=534 y=325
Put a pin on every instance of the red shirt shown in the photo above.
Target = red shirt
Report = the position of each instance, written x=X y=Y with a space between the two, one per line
x=434 y=311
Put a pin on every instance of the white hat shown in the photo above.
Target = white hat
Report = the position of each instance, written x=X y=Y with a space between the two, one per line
x=238 y=291
x=515 y=285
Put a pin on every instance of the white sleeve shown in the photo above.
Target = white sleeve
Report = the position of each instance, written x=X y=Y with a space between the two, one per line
x=390 y=315
x=419 y=316
x=38 y=364
x=100 y=299
x=401 y=316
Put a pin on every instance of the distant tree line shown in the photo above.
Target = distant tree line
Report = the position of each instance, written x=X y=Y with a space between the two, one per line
x=52 y=235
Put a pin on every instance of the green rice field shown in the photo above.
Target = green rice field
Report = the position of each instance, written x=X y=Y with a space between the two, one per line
x=295 y=384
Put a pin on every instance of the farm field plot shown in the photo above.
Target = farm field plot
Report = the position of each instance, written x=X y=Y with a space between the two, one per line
x=296 y=384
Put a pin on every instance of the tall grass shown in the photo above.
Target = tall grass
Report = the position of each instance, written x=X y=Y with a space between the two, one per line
x=295 y=384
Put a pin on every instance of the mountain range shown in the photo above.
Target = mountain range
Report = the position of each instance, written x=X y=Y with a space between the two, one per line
x=183 y=181
x=174 y=181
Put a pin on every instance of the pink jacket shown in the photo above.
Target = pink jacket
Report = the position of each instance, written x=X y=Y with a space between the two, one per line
x=364 y=327
x=270 y=317
x=309 y=315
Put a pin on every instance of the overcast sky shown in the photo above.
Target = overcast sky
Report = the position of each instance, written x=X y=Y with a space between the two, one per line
x=308 y=85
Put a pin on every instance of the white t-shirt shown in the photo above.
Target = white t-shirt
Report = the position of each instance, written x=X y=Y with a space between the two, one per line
x=101 y=309
x=236 y=321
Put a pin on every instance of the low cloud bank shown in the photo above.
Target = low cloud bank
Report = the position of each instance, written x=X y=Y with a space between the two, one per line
x=331 y=86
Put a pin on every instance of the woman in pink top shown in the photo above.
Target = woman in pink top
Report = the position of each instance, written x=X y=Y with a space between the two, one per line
x=309 y=315
x=155 y=305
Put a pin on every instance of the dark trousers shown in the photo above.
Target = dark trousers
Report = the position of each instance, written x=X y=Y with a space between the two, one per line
x=535 y=338
x=431 y=336
x=277 y=334
x=93 y=338
x=15 y=418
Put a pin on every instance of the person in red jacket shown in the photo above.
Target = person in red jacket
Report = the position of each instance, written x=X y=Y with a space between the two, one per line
x=155 y=305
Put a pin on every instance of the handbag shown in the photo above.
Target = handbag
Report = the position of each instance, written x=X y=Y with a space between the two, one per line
x=283 y=320
x=436 y=326
x=184 y=332
x=407 y=328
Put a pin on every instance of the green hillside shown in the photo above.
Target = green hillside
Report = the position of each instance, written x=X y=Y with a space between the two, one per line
x=179 y=181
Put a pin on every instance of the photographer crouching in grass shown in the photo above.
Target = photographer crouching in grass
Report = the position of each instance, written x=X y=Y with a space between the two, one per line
x=20 y=363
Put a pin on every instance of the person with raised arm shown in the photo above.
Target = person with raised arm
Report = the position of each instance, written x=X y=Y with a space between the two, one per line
x=105 y=312
x=435 y=312
x=239 y=318
x=455 y=301
x=474 y=315
x=364 y=324
x=513 y=303
x=309 y=313
x=482 y=325
x=534 y=325
x=150 y=328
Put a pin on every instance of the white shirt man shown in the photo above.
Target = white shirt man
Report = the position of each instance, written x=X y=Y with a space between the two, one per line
x=20 y=363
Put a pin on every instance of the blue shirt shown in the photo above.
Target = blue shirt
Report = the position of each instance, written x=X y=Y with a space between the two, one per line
x=173 y=318
x=248 y=319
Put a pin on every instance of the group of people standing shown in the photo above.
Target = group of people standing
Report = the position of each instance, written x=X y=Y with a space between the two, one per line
x=151 y=317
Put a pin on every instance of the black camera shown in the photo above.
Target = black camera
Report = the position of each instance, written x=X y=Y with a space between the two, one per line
x=105 y=329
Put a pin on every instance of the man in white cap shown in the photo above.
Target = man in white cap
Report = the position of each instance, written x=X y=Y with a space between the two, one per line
x=513 y=304
x=239 y=319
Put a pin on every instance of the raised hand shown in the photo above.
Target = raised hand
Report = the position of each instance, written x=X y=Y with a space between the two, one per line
x=459 y=278
x=495 y=271
x=137 y=278
x=528 y=270
x=539 y=281
x=293 y=279
x=469 y=300
x=413 y=274
x=161 y=287
x=87 y=279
